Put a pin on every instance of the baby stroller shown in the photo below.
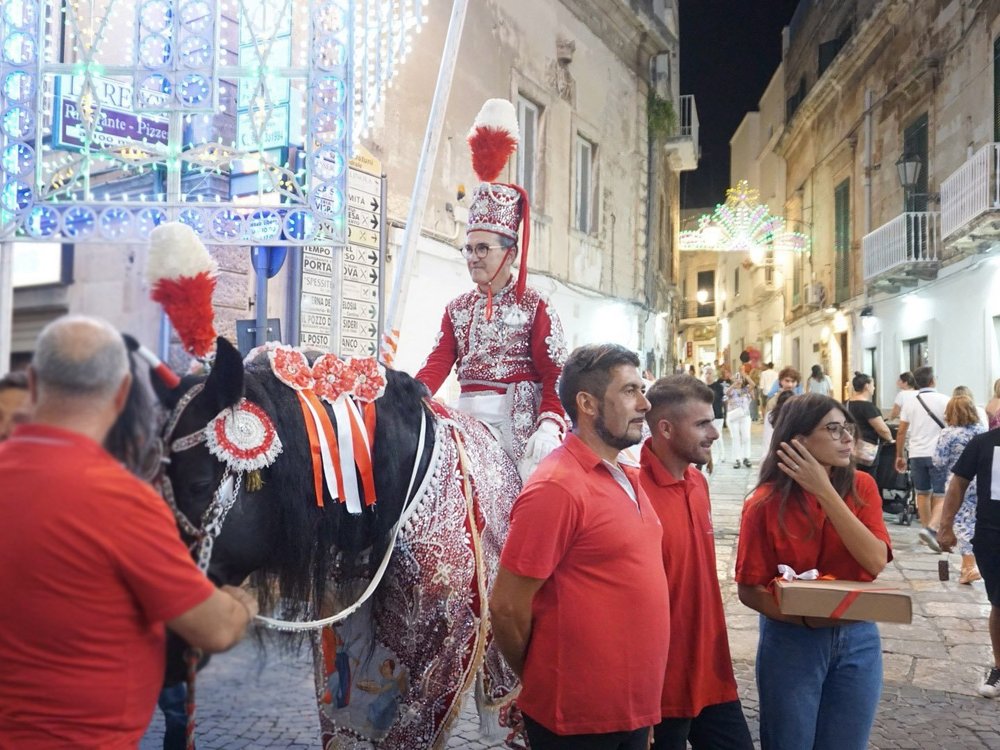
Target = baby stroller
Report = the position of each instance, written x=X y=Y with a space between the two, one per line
x=895 y=487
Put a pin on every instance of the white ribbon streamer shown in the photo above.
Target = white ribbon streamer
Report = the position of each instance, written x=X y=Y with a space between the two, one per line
x=788 y=574
x=351 y=489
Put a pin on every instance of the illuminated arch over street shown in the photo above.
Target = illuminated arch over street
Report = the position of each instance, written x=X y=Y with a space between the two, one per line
x=236 y=117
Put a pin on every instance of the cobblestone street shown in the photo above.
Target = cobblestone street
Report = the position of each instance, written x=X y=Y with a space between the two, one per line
x=932 y=666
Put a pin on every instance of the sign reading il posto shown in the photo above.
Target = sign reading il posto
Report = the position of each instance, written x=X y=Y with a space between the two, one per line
x=117 y=125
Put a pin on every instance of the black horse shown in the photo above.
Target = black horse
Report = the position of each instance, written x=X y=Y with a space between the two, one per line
x=305 y=560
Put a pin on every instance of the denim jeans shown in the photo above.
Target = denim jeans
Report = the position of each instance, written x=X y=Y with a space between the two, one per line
x=818 y=688
x=721 y=726
x=171 y=702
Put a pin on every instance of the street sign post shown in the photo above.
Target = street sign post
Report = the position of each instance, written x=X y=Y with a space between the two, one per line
x=343 y=287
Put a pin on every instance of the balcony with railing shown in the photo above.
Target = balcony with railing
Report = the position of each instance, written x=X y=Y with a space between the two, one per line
x=904 y=250
x=682 y=144
x=697 y=313
x=970 y=202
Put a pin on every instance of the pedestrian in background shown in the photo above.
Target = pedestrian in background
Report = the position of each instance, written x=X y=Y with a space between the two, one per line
x=700 y=704
x=90 y=584
x=993 y=407
x=871 y=427
x=13 y=402
x=963 y=424
x=739 y=396
x=819 y=382
x=581 y=593
x=768 y=377
x=787 y=382
x=718 y=383
x=979 y=461
x=964 y=390
x=920 y=423
x=818 y=680
x=906 y=389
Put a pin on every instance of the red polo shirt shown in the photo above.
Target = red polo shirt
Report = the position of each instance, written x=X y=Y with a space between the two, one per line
x=699 y=667
x=91 y=566
x=807 y=539
x=600 y=622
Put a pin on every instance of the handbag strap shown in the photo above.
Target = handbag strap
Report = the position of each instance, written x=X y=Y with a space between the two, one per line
x=928 y=410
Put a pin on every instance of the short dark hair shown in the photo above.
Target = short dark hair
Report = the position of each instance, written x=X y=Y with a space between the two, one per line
x=588 y=370
x=923 y=376
x=859 y=381
x=673 y=391
x=907 y=377
x=17 y=379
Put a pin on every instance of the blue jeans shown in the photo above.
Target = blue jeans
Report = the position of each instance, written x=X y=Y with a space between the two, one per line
x=171 y=702
x=819 y=688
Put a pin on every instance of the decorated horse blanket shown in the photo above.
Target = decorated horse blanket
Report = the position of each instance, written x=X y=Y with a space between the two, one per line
x=400 y=685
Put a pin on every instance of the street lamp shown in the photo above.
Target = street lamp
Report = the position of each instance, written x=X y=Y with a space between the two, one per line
x=908 y=168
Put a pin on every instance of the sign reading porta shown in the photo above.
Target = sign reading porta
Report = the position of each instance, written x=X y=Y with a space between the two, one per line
x=342 y=287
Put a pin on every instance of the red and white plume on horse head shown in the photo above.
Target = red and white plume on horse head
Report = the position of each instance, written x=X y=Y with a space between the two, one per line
x=182 y=275
x=493 y=138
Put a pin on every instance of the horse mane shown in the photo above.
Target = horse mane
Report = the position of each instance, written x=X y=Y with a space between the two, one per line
x=317 y=544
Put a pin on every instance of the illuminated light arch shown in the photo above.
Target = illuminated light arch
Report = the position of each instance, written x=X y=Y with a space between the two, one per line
x=742 y=224
x=181 y=97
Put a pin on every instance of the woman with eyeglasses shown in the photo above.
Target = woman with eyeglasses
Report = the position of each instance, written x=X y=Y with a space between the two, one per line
x=818 y=679
x=503 y=339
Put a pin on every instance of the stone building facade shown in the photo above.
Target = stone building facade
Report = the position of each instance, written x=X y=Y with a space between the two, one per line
x=896 y=277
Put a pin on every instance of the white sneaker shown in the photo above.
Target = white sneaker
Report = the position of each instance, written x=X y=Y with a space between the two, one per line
x=991 y=685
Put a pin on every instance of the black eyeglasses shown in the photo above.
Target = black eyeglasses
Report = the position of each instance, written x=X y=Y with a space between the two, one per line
x=837 y=430
x=480 y=251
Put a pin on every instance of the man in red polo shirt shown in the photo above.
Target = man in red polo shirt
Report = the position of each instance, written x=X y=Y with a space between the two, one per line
x=91 y=565
x=580 y=606
x=699 y=703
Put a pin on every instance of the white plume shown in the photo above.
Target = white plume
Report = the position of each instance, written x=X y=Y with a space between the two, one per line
x=499 y=114
x=174 y=251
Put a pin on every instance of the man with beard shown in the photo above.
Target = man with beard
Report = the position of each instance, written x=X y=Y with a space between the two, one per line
x=699 y=702
x=580 y=606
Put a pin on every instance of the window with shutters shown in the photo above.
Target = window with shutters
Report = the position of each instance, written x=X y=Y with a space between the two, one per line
x=842 y=240
x=584 y=214
x=528 y=114
x=915 y=143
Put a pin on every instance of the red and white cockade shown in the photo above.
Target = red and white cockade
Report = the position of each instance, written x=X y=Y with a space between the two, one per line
x=243 y=437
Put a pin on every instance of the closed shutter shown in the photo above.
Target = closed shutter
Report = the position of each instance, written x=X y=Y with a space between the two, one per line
x=27 y=326
x=842 y=240
x=996 y=89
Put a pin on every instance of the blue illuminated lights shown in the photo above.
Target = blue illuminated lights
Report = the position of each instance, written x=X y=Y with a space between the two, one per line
x=224 y=114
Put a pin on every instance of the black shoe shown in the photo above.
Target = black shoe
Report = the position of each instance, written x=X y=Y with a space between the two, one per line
x=746 y=462
x=991 y=685
x=736 y=465
x=929 y=537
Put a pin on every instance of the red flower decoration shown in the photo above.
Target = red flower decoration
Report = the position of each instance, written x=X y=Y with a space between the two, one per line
x=333 y=378
x=369 y=382
x=291 y=367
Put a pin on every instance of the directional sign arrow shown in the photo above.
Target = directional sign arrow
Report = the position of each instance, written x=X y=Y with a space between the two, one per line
x=373 y=275
x=374 y=204
x=374 y=222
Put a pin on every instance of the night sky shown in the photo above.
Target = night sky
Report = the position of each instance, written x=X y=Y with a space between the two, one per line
x=729 y=51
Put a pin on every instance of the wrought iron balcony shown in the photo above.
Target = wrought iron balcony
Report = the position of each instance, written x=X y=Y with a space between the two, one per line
x=682 y=146
x=701 y=312
x=903 y=250
x=970 y=201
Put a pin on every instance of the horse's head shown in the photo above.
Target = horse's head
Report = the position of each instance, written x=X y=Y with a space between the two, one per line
x=198 y=482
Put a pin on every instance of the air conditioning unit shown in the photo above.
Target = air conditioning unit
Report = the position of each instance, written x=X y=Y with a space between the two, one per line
x=815 y=294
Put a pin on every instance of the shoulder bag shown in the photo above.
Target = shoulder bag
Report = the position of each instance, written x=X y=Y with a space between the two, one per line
x=863 y=452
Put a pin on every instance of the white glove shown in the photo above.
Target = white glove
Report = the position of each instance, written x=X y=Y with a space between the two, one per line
x=545 y=439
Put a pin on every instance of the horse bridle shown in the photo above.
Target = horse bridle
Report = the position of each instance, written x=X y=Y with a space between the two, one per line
x=223 y=498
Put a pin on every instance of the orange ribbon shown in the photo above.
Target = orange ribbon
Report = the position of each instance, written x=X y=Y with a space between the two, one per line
x=315 y=450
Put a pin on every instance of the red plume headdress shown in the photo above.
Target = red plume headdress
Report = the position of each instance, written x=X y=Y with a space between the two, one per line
x=498 y=207
x=182 y=276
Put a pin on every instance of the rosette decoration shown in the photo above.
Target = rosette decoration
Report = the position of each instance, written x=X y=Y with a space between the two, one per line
x=337 y=450
x=182 y=276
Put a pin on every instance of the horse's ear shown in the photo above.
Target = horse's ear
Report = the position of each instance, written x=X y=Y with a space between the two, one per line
x=167 y=396
x=224 y=387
